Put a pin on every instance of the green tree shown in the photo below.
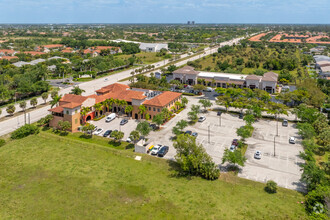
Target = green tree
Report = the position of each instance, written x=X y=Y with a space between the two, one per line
x=234 y=158
x=88 y=128
x=166 y=113
x=135 y=136
x=142 y=110
x=306 y=130
x=44 y=96
x=55 y=101
x=98 y=108
x=34 y=102
x=77 y=90
x=271 y=186
x=182 y=124
x=10 y=109
x=184 y=101
x=199 y=87
x=224 y=100
x=117 y=135
x=205 y=103
x=128 y=110
x=22 y=105
x=144 y=128
x=192 y=116
x=64 y=126
x=249 y=119
x=192 y=158
x=158 y=119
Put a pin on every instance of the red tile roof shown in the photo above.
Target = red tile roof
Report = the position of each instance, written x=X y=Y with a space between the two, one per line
x=253 y=77
x=163 y=99
x=73 y=98
x=71 y=105
x=112 y=88
x=51 y=46
x=7 y=51
x=57 y=109
x=8 y=57
x=33 y=53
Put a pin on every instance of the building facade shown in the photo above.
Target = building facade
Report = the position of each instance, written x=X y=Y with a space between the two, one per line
x=79 y=109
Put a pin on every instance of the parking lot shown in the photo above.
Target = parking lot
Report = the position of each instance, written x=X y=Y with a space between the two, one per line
x=283 y=168
x=115 y=125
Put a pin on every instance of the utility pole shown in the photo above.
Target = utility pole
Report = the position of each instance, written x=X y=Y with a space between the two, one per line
x=29 y=118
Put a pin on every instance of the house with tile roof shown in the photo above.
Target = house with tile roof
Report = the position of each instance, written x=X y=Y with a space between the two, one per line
x=78 y=109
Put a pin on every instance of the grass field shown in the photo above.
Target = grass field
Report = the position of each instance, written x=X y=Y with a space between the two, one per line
x=53 y=177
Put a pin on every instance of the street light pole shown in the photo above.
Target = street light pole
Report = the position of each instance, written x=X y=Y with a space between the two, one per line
x=209 y=133
x=274 y=146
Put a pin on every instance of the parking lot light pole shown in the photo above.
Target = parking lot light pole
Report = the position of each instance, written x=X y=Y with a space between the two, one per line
x=209 y=133
x=274 y=146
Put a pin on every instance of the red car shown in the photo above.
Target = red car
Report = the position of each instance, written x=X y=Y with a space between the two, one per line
x=235 y=142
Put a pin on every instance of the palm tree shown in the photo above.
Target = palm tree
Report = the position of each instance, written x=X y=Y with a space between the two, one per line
x=84 y=111
x=184 y=101
x=77 y=91
x=117 y=103
x=56 y=100
x=166 y=113
x=128 y=110
x=142 y=110
x=122 y=104
x=98 y=107
x=177 y=104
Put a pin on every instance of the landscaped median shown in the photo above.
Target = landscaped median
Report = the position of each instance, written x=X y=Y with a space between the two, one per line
x=69 y=177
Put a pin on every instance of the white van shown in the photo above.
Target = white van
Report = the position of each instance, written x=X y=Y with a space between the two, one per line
x=110 y=117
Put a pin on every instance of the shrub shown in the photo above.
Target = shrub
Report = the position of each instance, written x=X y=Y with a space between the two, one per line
x=188 y=94
x=2 y=142
x=25 y=131
x=271 y=186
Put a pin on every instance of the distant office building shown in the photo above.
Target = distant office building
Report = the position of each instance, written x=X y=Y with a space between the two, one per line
x=193 y=22
x=149 y=47
x=188 y=23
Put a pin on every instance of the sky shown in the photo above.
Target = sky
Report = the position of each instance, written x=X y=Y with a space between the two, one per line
x=165 y=11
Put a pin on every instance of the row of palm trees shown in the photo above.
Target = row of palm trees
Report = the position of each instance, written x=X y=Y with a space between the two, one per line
x=108 y=104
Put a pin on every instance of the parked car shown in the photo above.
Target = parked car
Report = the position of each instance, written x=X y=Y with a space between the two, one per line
x=155 y=149
x=241 y=116
x=257 y=155
x=107 y=133
x=232 y=148
x=194 y=134
x=235 y=142
x=188 y=132
x=106 y=79
x=98 y=131
x=219 y=113
x=209 y=89
x=285 y=123
x=123 y=122
x=163 y=151
x=129 y=140
x=153 y=126
x=95 y=128
x=201 y=119
x=110 y=117
x=292 y=140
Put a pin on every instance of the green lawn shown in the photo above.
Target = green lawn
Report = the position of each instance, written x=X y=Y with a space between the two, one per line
x=53 y=177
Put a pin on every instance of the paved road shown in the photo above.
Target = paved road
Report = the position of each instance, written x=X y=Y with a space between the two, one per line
x=13 y=123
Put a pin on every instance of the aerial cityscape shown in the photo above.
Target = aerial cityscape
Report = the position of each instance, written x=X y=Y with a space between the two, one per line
x=116 y=109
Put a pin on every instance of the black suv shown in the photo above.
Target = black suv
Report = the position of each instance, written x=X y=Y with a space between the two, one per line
x=107 y=133
x=163 y=151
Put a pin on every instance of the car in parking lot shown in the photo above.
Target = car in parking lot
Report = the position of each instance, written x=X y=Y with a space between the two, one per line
x=163 y=151
x=153 y=126
x=219 y=113
x=155 y=149
x=123 y=122
x=201 y=119
x=292 y=140
x=232 y=148
x=107 y=133
x=188 y=132
x=98 y=131
x=194 y=134
x=257 y=155
x=241 y=116
x=285 y=123
x=110 y=117
x=235 y=142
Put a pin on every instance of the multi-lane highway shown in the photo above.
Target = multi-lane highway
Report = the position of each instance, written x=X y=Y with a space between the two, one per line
x=13 y=123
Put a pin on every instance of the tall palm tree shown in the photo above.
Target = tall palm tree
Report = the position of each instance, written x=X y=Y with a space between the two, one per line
x=116 y=102
x=123 y=105
x=128 y=110
x=98 y=107
x=84 y=111
x=56 y=100
x=142 y=109
x=166 y=113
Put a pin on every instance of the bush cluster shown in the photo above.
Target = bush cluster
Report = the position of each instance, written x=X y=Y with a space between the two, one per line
x=25 y=131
